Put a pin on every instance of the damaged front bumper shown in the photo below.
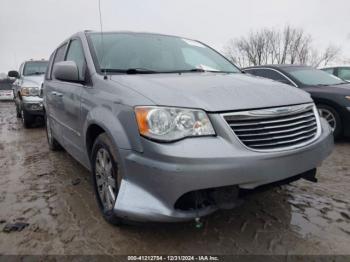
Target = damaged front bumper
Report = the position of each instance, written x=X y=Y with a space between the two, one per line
x=155 y=181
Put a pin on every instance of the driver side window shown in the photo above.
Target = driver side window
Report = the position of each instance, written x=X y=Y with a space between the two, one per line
x=344 y=73
x=75 y=53
x=271 y=74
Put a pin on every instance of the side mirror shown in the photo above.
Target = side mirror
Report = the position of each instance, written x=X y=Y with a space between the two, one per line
x=13 y=73
x=67 y=71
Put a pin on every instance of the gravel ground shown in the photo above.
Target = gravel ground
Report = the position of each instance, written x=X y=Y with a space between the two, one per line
x=36 y=188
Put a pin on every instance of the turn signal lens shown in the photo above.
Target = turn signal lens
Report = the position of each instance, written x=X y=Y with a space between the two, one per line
x=141 y=117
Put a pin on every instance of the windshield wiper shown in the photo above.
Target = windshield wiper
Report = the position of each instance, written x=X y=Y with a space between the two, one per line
x=130 y=71
x=35 y=73
x=201 y=70
x=149 y=71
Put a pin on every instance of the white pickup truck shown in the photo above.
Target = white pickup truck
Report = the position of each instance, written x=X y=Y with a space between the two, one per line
x=27 y=90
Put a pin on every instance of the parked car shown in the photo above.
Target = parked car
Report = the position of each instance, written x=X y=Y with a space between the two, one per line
x=6 y=92
x=170 y=129
x=331 y=94
x=27 y=90
x=342 y=72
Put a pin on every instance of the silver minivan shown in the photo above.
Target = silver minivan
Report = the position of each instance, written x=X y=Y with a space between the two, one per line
x=170 y=129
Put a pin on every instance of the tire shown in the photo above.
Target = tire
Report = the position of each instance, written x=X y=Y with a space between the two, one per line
x=52 y=142
x=18 y=112
x=333 y=119
x=27 y=119
x=106 y=177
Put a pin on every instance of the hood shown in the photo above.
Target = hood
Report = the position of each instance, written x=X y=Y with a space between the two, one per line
x=213 y=92
x=35 y=81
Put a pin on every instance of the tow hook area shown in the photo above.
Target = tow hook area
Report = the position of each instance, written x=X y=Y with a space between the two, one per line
x=222 y=198
x=310 y=176
x=229 y=197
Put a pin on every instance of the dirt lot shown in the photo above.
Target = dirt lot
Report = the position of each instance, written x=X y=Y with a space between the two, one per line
x=36 y=188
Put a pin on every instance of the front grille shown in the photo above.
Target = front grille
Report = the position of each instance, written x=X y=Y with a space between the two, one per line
x=276 y=128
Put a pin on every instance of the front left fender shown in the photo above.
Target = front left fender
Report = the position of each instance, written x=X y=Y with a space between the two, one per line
x=119 y=123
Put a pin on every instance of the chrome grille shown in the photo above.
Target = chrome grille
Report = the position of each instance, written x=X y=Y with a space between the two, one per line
x=276 y=128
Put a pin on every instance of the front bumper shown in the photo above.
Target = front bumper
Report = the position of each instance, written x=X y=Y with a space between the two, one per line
x=154 y=180
x=346 y=122
x=33 y=105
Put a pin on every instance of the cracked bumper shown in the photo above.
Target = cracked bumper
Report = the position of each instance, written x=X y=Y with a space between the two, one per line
x=154 y=180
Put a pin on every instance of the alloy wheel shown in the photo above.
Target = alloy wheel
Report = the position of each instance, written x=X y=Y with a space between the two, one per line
x=105 y=181
x=329 y=116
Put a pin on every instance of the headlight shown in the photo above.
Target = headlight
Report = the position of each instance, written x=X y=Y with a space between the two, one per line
x=170 y=123
x=348 y=98
x=30 y=91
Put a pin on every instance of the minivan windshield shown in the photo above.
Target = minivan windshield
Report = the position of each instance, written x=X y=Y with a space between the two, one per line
x=152 y=53
x=35 y=68
x=314 y=77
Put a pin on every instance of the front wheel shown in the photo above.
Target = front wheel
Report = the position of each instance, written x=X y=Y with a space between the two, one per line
x=106 y=177
x=332 y=117
x=18 y=112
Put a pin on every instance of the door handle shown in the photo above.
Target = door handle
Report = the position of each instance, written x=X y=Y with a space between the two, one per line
x=56 y=94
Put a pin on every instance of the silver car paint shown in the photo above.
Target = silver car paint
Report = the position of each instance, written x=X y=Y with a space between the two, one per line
x=27 y=81
x=213 y=92
x=154 y=175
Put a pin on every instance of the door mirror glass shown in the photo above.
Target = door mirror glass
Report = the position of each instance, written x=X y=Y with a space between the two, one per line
x=67 y=71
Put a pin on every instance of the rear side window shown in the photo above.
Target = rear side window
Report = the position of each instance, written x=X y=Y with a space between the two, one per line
x=250 y=71
x=59 y=57
x=344 y=73
x=270 y=74
x=329 y=70
x=75 y=53
x=267 y=73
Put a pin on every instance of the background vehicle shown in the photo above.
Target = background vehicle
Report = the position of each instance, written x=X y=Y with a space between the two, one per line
x=342 y=72
x=27 y=90
x=331 y=94
x=6 y=92
x=172 y=130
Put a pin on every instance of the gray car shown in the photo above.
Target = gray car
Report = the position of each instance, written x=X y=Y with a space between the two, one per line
x=170 y=129
x=27 y=90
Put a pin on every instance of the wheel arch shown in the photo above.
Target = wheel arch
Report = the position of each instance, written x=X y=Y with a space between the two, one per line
x=93 y=131
x=118 y=127
x=337 y=109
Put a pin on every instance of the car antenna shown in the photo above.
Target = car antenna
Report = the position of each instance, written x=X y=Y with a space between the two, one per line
x=102 y=42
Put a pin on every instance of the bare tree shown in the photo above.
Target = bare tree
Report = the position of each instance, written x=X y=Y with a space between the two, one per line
x=330 y=54
x=287 y=46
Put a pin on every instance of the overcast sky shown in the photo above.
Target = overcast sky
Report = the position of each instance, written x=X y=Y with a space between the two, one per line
x=34 y=28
